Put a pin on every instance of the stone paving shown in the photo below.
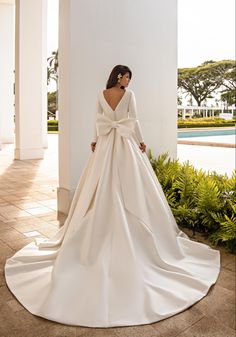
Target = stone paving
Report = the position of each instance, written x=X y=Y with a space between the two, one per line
x=28 y=208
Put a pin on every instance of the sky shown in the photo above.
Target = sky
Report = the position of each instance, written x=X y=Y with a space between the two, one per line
x=52 y=25
x=206 y=30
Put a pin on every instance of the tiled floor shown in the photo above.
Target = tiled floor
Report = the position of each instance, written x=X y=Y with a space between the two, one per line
x=28 y=209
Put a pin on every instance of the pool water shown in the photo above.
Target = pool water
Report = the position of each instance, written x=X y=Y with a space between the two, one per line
x=204 y=133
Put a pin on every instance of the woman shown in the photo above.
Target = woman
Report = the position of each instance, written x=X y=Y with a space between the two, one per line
x=118 y=80
x=120 y=258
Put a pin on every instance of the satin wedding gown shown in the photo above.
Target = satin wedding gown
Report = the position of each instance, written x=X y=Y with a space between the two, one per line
x=120 y=258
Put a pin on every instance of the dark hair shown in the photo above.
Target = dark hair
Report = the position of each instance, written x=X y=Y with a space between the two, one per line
x=119 y=69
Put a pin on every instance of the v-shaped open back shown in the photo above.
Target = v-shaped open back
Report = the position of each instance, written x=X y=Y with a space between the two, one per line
x=117 y=103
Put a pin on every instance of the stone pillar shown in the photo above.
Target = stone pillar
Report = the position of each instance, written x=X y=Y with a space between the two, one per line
x=31 y=78
x=94 y=36
x=7 y=13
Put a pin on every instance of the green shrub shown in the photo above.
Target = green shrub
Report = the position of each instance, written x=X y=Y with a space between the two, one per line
x=202 y=201
x=205 y=122
x=52 y=125
x=52 y=128
x=52 y=122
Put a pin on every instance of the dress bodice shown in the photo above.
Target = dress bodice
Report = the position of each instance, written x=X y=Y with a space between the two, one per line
x=126 y=108
x=122 y=108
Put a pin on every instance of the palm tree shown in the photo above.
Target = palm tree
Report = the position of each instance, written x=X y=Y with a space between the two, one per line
x=52 y=72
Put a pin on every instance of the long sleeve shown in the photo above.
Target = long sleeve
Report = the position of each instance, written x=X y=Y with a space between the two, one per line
x=98 y=110
x=133 y=114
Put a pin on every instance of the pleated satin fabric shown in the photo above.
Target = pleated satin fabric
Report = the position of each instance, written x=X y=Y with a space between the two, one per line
x=120 y=258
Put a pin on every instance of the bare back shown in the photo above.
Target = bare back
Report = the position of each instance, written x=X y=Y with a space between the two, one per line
x=113 y=96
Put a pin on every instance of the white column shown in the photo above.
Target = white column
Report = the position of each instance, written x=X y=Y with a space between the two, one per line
x=7 y=13
x=31 y=78
x=94 y=36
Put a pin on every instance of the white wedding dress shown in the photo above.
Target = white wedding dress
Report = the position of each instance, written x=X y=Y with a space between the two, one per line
x=120 y=258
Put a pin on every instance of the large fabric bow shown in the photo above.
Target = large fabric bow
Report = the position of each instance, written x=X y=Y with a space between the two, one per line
x=124 y=126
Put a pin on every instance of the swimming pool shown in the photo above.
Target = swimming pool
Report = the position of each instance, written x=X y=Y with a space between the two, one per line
x=204 y=133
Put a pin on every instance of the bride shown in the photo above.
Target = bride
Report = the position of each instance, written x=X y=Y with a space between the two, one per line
x=120 y=258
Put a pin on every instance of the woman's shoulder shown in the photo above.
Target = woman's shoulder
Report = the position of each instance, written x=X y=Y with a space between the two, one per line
x=131 y=92
x=105 y=91
x=102 y=90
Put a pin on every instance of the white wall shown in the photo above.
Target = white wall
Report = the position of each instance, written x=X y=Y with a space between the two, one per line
x=95 y=35
x=7 y=12
x=141 y=34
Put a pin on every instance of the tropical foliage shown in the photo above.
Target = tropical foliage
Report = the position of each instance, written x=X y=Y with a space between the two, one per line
x=53 y=75
x=229 y=92
x=202 y=201
x=52 y=104
x=202 y=81
x=53 y=67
